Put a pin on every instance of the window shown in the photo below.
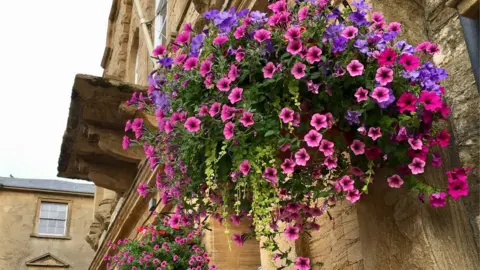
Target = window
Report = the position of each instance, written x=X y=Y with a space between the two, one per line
x=52 y=218
x=160 y=23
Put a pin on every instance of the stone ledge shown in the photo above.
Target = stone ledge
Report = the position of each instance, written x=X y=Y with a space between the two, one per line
x=51 y=237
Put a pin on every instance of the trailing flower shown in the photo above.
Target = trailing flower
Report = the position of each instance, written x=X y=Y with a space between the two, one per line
x=261 y=116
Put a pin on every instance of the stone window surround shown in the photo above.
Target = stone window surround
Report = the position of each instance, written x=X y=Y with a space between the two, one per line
x=66 y=236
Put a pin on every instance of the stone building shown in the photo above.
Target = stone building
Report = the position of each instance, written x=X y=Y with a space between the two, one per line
x=384 y=231
x=43 y=224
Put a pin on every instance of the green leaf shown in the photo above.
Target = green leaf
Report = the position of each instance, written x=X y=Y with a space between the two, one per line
x=269 y=133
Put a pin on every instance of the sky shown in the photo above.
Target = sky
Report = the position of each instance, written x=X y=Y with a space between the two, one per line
x=43 y=45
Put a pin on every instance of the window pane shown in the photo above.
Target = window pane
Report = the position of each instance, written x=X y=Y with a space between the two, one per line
x=59 y=231
x=52 y=218
x=42 y=223
x=42 y=229
x=50 y=230
x=62 y=215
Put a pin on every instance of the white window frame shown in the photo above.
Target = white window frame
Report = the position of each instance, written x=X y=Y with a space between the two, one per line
x=159 y=37
x=52 y=216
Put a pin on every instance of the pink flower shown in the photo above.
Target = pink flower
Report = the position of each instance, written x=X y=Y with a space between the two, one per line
x=208 y=82
x=378 y=17
x=233 y=72
x=236 y=95
x=319 y=121
x=240 y=54
x=125 y=142
x=128 y=124
x=353 y=195
x=227 y=112
x=313 y=54
x=394 y=27
x=355 y=68
x=142 y=189
x=302 y=263
x=244 y=167
x=293 y=33
x=268 y=70
x=326 y=147
x=174 y=221
x=205 y=68
x=192 y=124
x=407 y=102
x=395 y=181
x=330 y=162
x=346 y=183
x=262 y=35
x=443 y=138
x=179 y=59
x=402 y=134
x=384 y=75
x=380 y=94
x=430 y=100
x=294 y=47
x=183 y=38
x=358 y=147
x=301 y=157
x=417 y=166
x=240 y=31
x=349 y=32
x=159 y=50
x=292 y=232
x=432 y=48
x=374 y=133
x=286 y=114
x=223 y=84
x=238 y=239
x=271 y=175
x=288 y=166
x=219 y=40
x=436 y=160
x=312 y=87
x=438 y=199
x=191 y=63
x=362 y=130
x=247 y=119
x=387 y=57
x=416 y=144
x=298 y=70
x=168 y=127
x=214 y=109
x=409 y=62
x=203 y=110
x=228 y=130
x=457 y=188
x=313 y=138
x=361 y=94
x=303 y=13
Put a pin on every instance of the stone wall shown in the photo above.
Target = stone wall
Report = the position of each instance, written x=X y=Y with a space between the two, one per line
x=17 y=221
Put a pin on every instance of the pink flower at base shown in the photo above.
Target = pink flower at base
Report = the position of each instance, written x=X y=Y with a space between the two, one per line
x=319 y=121
x=205 y=68
x=457 y=189
x=203 y=110
x=387 y=57
x=407 y=102
x=244 y=167
x=192 y=124
x=417 y=166
x=298 y=70
x=313 y=138
x=191 y=63
x=438 y=199
x=346 y=183
x=125 y=142
x=302 y=263
x=238 y=239
x=430 y=100
x=293 y=33
x=330 y=162
x=268 y=70
x=262 y=35
x=313 y=54
x=301 y=157
x=159 y=50
x=380 y=94
x=374 y=133
x=236 y=95
x=271 y=175
x=292 y=232
x=384 y=75
x=303 y=13
x=361 y=94
x=220 y=40
x=353 y=195
x=223 y=84
x=214 y=109
x=288 y=166
x=326 y=147
x=443 y=138
x=286 y=115
x=228 y=130
x=416 y=144
x=247 y=119
x=355 y=68
x=395 y=181
x=409 y=62
x=142 y=189
x=227 y=112
x=357 y=147
x=394 y=27
x=349 y=32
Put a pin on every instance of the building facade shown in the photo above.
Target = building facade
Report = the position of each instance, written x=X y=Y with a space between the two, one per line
x=43 y=224
x=378 y=233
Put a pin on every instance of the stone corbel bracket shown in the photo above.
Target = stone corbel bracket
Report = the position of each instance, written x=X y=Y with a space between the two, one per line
x=467 y=8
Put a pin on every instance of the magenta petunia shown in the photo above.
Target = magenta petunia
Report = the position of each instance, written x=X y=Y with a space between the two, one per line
x=443 y=138
x=298 y=70
x=192 y=124
x=219 y=40
x=457 y=188
x=432 y=48
x=330 y=162
x=374 y=133
x=233 y=72
x=244 y=167
x=402 y=134
x=228 y=130
x=205 y=68
x=387 y=57
x=271 y=175
x=236 y=95
x=203 y=110
x=294 y=47
x=361 y=94
x=247 y=119
x=430 y=100
x=313 y=54
x=214 y=109
x=223 y=84
x=415 y=144
x=378 y=17
x=302 y=263
x=319 y=121
x=326 y=147
x=240 y=31
x=183 y=37
x=303 y=13
x=227 y=112
x=438 y=199
x=394 y=27
x=436 y=160
x=125 y=142
x=357 y=147
x=168 y=127
x=349 y=32
x=286 y=114
x=301 y=157
x=159 y=50
x=417 y=166
x=262 y=35
x=293 y=33
x=353 y=195
x=142 y=189
x=292 y=232
x=407 y=102
x=355 y=68
x=380 y=94
x=191 y=63
x=268 y=70
x=313 y=138
x=384 y=75
x=409 y=62
x=240 y=54
x=288 y=166
x=395 y=181
x=237 y=239
x=346 y=183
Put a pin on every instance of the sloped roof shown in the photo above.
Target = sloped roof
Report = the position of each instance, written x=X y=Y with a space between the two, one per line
x=47 y=184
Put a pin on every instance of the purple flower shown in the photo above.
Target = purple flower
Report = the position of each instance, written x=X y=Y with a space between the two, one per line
x=166 y=62
x=352 y=117
x=211 y=14
x=160 y=99
x=405 y=47
x=332 y=30
x=225 y=20
x=196 y=45
x=358 y=17
x=361 y=45
x=339 y=44
x=361 y=5
x=258 y=16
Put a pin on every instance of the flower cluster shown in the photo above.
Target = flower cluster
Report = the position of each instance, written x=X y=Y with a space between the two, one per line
x=261 y=116
x=165 y=246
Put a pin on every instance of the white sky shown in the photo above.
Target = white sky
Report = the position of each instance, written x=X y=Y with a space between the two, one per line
x=43 y=45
